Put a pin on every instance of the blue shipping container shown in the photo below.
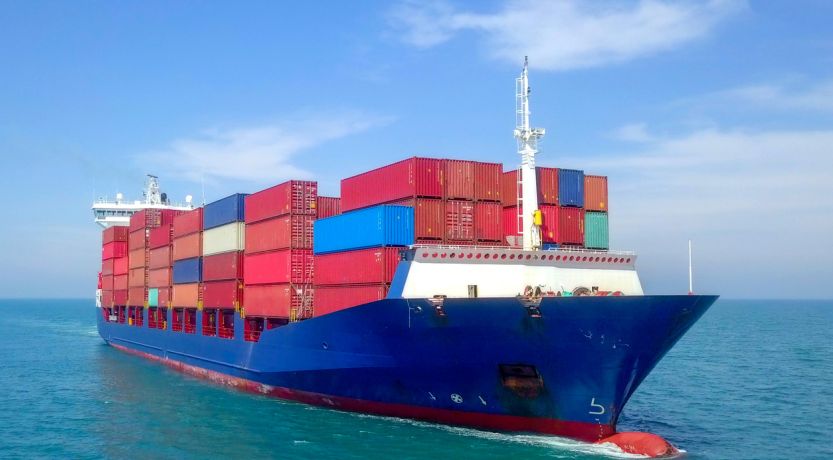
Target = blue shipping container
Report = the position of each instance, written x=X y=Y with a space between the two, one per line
x=224 y=211
x=385 y=225
x=571 y=188
x=188 y=271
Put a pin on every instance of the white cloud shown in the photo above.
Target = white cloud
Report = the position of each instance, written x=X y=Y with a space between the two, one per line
x=255 y=153
x=567 y=34
x=817 y=97
x=633 y=132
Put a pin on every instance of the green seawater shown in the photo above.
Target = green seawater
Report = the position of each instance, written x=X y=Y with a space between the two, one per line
x=751 y=380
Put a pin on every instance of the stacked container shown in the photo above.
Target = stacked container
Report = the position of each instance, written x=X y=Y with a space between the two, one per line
x=160 y=268
x=356 y=255
x=596 y=220
x=278 y=250
x=327 y=206
x=186 y=276
x=141 y=224
x=114 y=268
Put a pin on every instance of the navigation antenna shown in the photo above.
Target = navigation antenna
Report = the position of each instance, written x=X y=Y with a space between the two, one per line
x=151 y=193
x=527 y=147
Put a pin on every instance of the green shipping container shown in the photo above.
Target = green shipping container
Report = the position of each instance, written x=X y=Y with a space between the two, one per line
x=153 y=297
x=595 y=230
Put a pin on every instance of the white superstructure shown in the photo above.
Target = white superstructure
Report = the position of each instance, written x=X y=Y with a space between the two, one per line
x=527 y=147
x=108 y=213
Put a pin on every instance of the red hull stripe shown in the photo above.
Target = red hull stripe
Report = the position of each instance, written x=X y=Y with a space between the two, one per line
x=497 y=422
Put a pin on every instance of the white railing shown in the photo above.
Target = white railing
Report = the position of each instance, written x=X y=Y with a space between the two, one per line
x=511 y=249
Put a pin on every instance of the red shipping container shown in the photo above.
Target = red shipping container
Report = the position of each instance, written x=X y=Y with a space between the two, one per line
x=511 y=225
x=328 y=206
x=284 y=266
x=186 y=295
x=107 y=267
x=165 y=296
x=414 y=177
x=488 y=222
x=120 y=282
x=225 y=266
x=291 y=231
x=429 y=217
x=488 y=179
x=547 y=179
x=292 y=197
x=329 y=299
x=160 y=236
x=113 y=250
x=159 y=277
x=459 y=179
x=115 y=233
x=459 y=220
x=107 y=283
x=187 y=223
x=275 y=300
x=137 y=258
x=222 y=294
x=363 y=266
x=137 y=277
x=595 y=193
x=137 y=296
x=187 y=247
x=106 y=298
x=137 y=240
x=120 y=297
x=120 y=266
x=160 y=257
x=152 y=218
x=562 y=225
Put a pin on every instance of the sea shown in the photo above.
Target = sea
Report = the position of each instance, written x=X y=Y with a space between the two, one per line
x=753 y=379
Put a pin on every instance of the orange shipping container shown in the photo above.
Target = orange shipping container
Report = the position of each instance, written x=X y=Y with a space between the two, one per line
x=120 y=282
x=186 y=295
x=273 y=300
x=161 y=277
x=595 y=193
x=187 y=247
x=137 y=239
x=137 y=277
x=137 y=258
x=160 y=258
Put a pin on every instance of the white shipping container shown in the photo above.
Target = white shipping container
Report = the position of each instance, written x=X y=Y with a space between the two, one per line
x=225 y=238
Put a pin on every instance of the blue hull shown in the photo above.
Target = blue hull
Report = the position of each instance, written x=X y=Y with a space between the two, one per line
x=399 y=357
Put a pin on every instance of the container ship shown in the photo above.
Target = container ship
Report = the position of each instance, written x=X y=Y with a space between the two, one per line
x=435 y=289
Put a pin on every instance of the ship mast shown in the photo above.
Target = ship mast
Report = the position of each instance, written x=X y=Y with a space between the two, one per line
x=527 y=147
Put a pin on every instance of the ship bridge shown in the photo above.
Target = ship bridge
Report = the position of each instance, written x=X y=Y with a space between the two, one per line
x=108 y=213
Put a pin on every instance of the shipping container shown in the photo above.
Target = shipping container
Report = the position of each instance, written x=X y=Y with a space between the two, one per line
x=187 y=271
x=595 y=193
x=596 y=234
x=120 y=297
x=224 y=211
x=222 y=294
x=429 y=218
x=159 y=277
x=292 y=197
x=459 y=179
x=186 y=295
x=488 y=222
x=284 y=266
x=562 y=225
x=153 y=297
x=362 y=266
x=459 y=220
x=107 y=266
x=488 y=181
x=120 y=282
x=137 y=296
x=410 y=178
x=152 y=218
x=571 y=188
x=165 y=296
x=327 y=206
x=160 y=258
x=221 y=267
x=188 y=223
x=547 y=181
x=225 y=238
x=275 y=300
x=120 y=266
x=329 y=299
x=137 y=277
x=114 y=233
x=290 y=231
x=160 y=236
x=384 y=225
x=137 y=240
x=107 y=283
x=137 y=258
x=106 y=298
x=188 y=246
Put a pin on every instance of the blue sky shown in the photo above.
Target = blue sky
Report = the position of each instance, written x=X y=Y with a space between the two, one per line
x=713 y=119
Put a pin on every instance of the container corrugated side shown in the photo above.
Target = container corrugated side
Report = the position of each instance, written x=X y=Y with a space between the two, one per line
x=137 y=296
x=222 y=294
x=413 y=177
x=562 y=225
x=291 y=197
x=546 y=178
x=187 y=271
x=113 y=250
x=137 y=277
x=114 y=233
x=160 y=258
x=595 y=193
x=328 y=206
x=187 y=247
x=224 y=211
x=290 y=231
x=282 y=266
x=152 y=218
x=160 y=236
x=137 y=258
x=488 y=179
x=137 y=240
x=153 y=297
x=186 y=295
x=120 y=282
x=459 y=220
x=188 y=223
x=329 y=299
x=571 y=187
x=488 y=222
x=459 y=179
x=429 y=218
x=596 y=233
x=107 y=283
x=120 y=266
x=107 y=267
x=159 y=277
x=224 y=266
x=120 y=297
x=274 y=300
x=384 y=225
x=362 y=266
x=225 y=238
